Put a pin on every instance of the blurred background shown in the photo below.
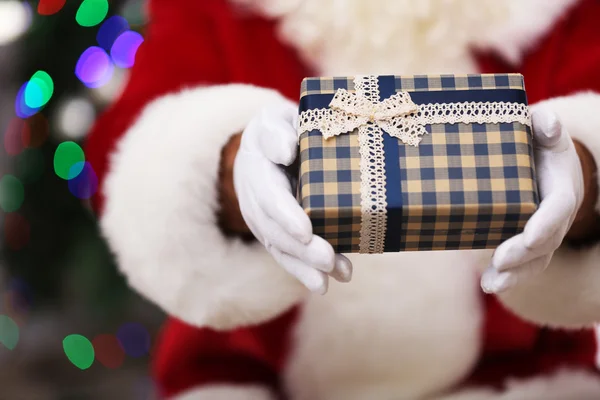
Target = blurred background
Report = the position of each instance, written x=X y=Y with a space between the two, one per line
x=69 y=326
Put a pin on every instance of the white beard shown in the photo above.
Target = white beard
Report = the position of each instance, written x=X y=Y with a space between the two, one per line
x=349 y=37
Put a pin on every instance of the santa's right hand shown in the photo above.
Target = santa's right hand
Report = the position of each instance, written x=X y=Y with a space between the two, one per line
x=268 y=205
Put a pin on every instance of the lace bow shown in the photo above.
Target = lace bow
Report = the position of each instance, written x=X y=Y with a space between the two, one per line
x=349 y=111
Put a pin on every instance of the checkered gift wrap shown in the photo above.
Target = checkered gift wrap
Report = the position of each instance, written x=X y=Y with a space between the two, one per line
x=464 y=186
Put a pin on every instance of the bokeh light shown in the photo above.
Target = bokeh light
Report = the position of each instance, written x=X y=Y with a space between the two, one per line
x=13 y=136
x=9 y=332
x=67 y=155
x=30 y=165
x=21 y=108
x=38 y=90
x=135 y=11
x=16 y=231
x=49 y=7
x=18 y=300
x=12 y=193
x=110 y=31
x=134 y=339
x=75 y=117
x=91 y=12
x=94 y=67
x=84 y=183
x=36 y=132
x=112 y=89
x=79 y=351
x=15 y=18
x=23 y=295
x=108 y=351
x=124 y=49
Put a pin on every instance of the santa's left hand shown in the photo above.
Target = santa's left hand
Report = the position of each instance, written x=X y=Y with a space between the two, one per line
x=560 y=183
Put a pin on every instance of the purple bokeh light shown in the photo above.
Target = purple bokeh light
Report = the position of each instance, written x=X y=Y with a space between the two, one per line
x=21 y=109
x=110 y=31
x=84 y=184
x=124 y=49
x=94 y=67
x=21 y=296
x=134 y=339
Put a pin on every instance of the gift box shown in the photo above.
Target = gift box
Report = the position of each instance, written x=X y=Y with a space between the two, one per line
x=403 y=163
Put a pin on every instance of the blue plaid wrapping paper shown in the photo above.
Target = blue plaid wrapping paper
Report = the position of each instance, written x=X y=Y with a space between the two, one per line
x=466 y=186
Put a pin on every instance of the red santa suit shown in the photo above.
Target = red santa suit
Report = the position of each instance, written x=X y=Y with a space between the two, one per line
x=409 y=325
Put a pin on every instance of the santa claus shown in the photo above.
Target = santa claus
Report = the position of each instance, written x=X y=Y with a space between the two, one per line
x=179 y=192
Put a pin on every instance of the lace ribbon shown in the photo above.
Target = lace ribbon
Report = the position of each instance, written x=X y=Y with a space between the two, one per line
x=373 y=202
x=401 y=118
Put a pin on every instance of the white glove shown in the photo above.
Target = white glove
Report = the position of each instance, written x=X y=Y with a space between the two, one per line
x=269 y=207
x=560 y=182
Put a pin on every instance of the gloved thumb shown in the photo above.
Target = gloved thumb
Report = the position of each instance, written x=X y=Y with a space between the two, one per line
x=277 y=137
x=548 y=131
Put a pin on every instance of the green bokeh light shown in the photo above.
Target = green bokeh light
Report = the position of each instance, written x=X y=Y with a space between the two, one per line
x=79 y=351
x=12 y=193
x=66 y=156
x=39 y=90
x=91 y=12
x=9 y=332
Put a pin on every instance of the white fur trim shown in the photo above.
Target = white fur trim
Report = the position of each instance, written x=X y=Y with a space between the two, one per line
x=159 y=215
x=227 y=392
x=409 y=37
x=566 y=294
x=528 y=21
x=566 y=384
x=579 y=114
x=406 y=326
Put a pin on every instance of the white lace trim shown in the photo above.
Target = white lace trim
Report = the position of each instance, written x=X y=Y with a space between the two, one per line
x=395 y=115
x=372 y=171
x=400 y=117
x=472 y=113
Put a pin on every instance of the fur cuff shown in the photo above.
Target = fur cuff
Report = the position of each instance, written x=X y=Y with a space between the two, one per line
x=560 y=386
x=226 y=392
x=159 y=217
x=565 y=295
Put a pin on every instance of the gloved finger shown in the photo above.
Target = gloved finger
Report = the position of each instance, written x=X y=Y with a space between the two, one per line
x=273 y=194
x=277 y=137
x=342 y=272
x=514 y=252
x=316 y=281
x=548 y=131
x=317 y=253
x=494 y=281
x=543 y=233
x=554 y=213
